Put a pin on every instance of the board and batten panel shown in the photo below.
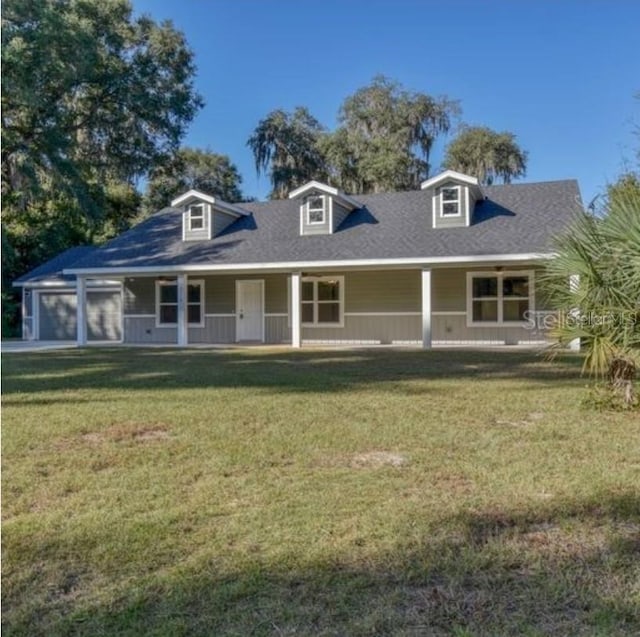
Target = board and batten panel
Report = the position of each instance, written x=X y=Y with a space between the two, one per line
x=57 y=316
x=142 y=329
x=104 y=312
x=217 y=329
x=453 y=329
x=277 y=329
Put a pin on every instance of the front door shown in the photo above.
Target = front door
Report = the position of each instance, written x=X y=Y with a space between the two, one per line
x=250 y=310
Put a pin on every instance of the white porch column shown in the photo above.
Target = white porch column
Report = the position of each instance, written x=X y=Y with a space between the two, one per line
x=81 y=312
x=426 y=308
x=574 y=284
x=183 y=333
x=296 y=339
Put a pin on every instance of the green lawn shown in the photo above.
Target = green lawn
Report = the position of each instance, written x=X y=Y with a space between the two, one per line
x=270 y=492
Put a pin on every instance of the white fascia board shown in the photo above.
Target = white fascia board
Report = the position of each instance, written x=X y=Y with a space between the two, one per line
x=230 y=209
x=69 y=284
x=286 y=266
x=192 y=194
x=341 y=198
x=218 y=204
x=449 y=174
x=313 y=185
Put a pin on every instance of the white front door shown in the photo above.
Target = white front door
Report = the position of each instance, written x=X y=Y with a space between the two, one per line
x=250 y=310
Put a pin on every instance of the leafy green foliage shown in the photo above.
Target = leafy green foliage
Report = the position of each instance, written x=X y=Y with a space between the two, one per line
x=92 y=100
x=486 y=154
x=285 y=145
x=384 y=141
x=386 y=135
x=89 y=92
x=601 y=305
x=202 y=170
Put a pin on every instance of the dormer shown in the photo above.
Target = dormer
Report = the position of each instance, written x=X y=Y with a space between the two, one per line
x=322 y=207
x=204 y=216
x=453 y=198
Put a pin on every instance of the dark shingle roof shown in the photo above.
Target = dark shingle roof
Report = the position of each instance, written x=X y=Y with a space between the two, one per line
x=514 y=219
x=52 y=270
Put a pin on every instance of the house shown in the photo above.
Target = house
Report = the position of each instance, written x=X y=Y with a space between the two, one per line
x=451 y=263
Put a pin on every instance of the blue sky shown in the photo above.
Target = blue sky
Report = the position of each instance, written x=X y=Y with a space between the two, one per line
x=561 y=75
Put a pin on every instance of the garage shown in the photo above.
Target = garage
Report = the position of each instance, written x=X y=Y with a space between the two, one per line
x=56 y=318
x=50 y=305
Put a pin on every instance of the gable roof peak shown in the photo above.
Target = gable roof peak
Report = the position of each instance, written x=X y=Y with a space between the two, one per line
x=196 y=195
x=446 y=175
x=317 y=186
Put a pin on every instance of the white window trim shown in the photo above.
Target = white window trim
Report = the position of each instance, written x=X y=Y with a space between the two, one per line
x=501 y=275
x=198 y=282
x=316 y=280
x=188 y=231
x=309 y=209
x=458 y=201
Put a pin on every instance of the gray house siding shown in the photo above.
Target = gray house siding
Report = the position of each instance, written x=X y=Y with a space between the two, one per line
x=316 y=228
x=221 y=221
x=380 y=306
x=340 y=213
x=434 y=211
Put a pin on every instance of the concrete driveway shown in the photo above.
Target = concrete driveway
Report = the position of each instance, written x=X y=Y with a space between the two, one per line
x=8 y=347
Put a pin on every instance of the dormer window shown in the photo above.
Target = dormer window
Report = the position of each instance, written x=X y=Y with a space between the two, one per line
x=316 y=209
x=322 y=208
x=196 y=217
x=450 y=201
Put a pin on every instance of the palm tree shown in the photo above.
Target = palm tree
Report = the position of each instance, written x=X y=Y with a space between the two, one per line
x=285 y=145
x=602 y=305
x=486 y=154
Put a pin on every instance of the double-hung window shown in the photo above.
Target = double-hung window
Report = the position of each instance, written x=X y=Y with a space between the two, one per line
x=316 y=209
x=322 y=301
x=499 y=298
x=167 y=303
x=450 y=201
x=196 y=217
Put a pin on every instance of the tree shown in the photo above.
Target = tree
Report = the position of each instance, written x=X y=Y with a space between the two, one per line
x=285 y=146
x=601 y=306
x=385 y=137
x=486 y=154
x=88 y=94
x=92 y=100
x=201 y=170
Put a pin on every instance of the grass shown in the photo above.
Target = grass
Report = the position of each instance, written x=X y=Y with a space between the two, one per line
x=270 y=492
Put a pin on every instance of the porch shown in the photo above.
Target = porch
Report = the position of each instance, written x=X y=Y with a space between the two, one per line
x=400 y=307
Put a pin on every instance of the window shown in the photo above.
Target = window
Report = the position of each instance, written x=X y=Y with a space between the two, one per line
x=499 y=298
x=322 y=301
x=316 y=209
x=450 y=201
x=196 y=217
x=167 y=303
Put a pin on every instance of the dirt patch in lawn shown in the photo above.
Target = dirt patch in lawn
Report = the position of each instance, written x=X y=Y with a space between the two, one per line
x=128 y=432
x=375 y=459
